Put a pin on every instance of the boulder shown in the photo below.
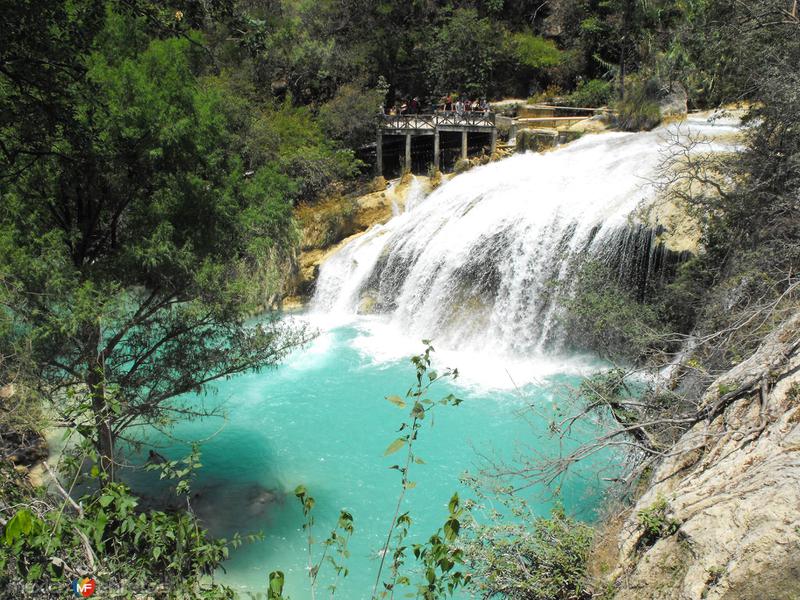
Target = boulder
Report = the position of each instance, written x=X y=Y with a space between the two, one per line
x=366 y=304
x=595 y=124
x=536 y=140
x=673 y=103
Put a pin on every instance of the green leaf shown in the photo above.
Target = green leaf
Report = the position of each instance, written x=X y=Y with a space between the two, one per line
x=396 y=400
x=21 y=524
x=105 y=500
x=13 y=530
x=276 y=580
x=35 y=572
x=100 y=521
x=394 y=446
x=451 y=529
x=418 y=412
x=445 y=564
x=453 y=505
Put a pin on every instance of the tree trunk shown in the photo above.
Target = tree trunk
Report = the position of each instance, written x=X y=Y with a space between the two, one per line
x=95 y=382
x=627 y=32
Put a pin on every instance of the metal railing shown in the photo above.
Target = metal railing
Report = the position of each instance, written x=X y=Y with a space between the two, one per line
x=443 y=119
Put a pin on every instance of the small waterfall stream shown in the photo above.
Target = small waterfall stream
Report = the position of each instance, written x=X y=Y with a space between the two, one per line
x=476 y=263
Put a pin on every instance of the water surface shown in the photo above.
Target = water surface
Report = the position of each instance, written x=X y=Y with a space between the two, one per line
x=322 y=420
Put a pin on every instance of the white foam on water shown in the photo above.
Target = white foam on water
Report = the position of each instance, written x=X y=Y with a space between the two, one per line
x=381 y=342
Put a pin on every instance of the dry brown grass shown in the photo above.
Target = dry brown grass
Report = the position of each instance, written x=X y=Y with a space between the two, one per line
x=604 y=555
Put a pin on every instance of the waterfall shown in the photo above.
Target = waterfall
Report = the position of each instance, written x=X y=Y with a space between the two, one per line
x=415 y=194
x=476 y=263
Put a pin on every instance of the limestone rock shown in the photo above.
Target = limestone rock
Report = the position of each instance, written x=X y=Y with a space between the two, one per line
x=367 y=304
x=536 y=140
x=326 y=225
x=674 y=103
x=378 y=184
x=595 y=124
x=733 y=484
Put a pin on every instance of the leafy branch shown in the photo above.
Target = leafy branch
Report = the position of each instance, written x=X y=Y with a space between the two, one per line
x=421 y=405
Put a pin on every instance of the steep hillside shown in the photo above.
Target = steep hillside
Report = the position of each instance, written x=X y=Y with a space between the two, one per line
x=721 y=518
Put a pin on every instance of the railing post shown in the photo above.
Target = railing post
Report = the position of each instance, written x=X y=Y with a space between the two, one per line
x=436 y=148
x=379 y=155
x=407 y=166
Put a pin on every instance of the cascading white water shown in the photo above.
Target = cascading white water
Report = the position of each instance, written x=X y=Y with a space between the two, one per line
x=415 y=194
x=475 y=263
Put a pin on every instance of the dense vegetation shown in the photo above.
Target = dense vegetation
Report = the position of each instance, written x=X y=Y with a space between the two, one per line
x=151 y=156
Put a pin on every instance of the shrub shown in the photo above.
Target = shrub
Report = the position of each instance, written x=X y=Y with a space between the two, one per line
x=595 y=92
x=603 y=317
x=639 y=110
x=48 y=540
x=655 y=523
x=550 y=94
x=289 y=139
x=544 y=559
x=462 y=165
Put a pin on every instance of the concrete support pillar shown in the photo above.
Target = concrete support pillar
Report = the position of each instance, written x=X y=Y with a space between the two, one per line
x=379 y=155
x=494 y=141
x=407 y=165
x=436 y=149
x=464 y=144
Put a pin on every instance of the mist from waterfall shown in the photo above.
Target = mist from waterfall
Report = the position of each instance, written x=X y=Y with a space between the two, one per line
x=476 y=265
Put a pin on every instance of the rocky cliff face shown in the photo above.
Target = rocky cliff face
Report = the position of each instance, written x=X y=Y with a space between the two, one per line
x=326 y=225
x=730 y=491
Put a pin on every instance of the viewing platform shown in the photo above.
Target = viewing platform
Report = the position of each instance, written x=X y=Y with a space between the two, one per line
x=433 y=124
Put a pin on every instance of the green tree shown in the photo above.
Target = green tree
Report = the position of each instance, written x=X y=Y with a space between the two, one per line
x=129 y=232
x=290 y=140
x=535 y=52
x=351 y=117
x=465 y=51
